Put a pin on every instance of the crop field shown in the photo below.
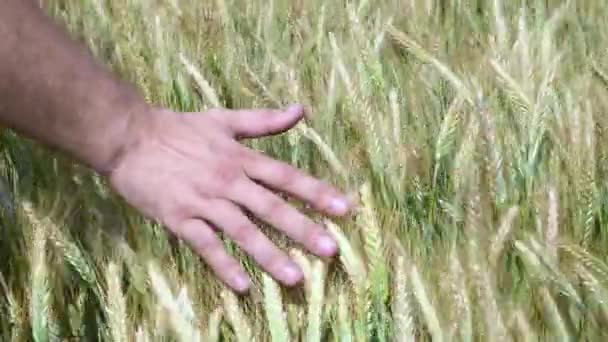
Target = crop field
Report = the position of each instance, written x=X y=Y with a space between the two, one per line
x=474 y=133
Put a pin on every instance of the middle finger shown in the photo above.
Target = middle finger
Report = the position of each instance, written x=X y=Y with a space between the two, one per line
x=277 y=212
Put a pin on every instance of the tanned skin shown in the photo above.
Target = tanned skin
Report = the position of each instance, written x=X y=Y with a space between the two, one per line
x=186 y=170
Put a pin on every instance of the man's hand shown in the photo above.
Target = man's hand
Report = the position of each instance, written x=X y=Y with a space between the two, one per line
x=189 y=171
x=185 y=169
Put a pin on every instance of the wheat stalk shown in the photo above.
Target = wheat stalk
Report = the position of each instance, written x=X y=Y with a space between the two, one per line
x=372 y=243
x=458 y=287
x=355 y=267
x=587 y=259
x=181 y=323
x=201 y=81
x=428 y=310
x=236 y=318
x=141 y=334
x=117 y=307
x=485 y=287
x=273 y=305
x=408 y=43
x=523 y=327
x=304 y=263
x=554 y=315
x=446 y=138
x=502 y=234
x=595 y=287
x=344 y=321
x=500 y=26
x=43 y=325
x=401 y=306
x=315 y=301
x=213 y=326
x=40 y=291
x=551 y=235
x=515 y=88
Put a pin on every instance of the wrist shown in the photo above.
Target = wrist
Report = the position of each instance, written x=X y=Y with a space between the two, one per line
x=122 y=133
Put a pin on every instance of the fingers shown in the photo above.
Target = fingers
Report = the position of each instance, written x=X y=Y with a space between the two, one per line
x=278 y=213
x=204 y=241
x=261 y=122
x=283 y=177
x=230 y=219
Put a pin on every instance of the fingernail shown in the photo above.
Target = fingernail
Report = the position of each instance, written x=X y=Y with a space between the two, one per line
x=292 y=273
x=327 y=245
x=241 y=282
x=338 y=206
x=295 y=108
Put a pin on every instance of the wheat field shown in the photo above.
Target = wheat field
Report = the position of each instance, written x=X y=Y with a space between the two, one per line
x=474 y=133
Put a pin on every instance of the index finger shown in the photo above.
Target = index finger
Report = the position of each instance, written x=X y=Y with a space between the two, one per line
x=281 y=176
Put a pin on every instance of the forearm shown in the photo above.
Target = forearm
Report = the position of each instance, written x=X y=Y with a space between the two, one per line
x=52 y=90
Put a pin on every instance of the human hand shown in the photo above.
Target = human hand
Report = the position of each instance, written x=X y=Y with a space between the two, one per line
x=189 y=171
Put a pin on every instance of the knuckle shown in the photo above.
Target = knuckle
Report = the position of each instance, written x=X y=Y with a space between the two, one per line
x=172 y=221
x=225 y=264
x=244 y=155
x=323 y=193
x=226 y=174
x=180 y=208
x=312 y=234
x=230 y=267
x=276 y=261
x=244 y=234
x=206 y=245
x=285 y=176
x=274 y=209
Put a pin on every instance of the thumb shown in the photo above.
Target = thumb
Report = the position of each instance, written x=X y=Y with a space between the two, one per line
x=254 y=123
